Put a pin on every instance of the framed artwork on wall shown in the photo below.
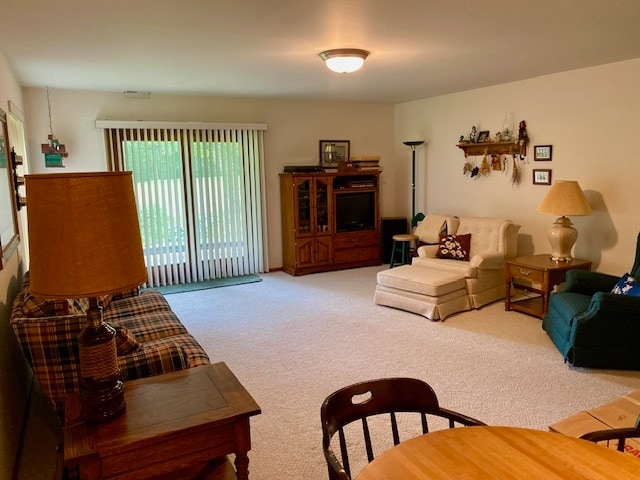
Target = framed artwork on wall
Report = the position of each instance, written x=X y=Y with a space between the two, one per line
x=542 y=176
x=542 y=153
x=333 y=151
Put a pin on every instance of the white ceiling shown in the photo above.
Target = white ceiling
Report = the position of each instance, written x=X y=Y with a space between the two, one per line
x=269 y=48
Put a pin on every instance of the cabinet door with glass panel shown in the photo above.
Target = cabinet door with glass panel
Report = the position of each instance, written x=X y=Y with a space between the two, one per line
x=312 y=214
x=313 y=205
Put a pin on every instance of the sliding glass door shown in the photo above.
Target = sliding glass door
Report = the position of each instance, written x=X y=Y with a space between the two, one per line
x=199 y=200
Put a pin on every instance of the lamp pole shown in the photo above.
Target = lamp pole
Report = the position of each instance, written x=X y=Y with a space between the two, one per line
x=413 y=144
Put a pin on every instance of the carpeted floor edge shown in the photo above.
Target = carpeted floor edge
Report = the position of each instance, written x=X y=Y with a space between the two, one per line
x=215 y=283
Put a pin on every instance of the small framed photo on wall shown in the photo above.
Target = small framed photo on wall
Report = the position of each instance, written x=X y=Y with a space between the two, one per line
x=542 y=176
x=542 y=153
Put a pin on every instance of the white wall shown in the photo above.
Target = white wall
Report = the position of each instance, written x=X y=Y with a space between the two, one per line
x=590 y=116
x=295 y=129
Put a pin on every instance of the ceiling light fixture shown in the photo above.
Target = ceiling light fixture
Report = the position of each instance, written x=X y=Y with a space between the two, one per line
x=344 y=60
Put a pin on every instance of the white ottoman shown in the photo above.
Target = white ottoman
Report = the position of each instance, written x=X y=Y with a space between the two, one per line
x=434 y=294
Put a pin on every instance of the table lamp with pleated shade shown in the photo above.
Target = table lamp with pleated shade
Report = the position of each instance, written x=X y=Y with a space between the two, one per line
x=84 y=242
x=564 y=198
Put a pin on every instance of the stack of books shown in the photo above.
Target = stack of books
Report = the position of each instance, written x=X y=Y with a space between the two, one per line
x=366 y=162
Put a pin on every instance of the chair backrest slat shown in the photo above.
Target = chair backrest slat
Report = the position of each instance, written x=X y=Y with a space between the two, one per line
x=394 y=429
x=344 y=452
x=367 y=438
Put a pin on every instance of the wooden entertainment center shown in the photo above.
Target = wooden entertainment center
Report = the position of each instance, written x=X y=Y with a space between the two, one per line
x=330 y=221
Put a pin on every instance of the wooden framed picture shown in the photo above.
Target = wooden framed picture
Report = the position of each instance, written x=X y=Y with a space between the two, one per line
x=541 y=176
x=333 y=151
x=542 y=153
x=483 y=136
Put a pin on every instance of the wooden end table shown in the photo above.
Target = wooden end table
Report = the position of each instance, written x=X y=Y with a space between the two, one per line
x=172 y=422
x=540 y=270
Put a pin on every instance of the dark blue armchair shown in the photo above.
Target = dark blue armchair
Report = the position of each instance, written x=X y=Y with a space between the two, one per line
x=593 y=327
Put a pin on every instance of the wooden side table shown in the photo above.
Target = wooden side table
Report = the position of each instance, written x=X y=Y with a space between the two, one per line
x=172 y=422
x=539 y=270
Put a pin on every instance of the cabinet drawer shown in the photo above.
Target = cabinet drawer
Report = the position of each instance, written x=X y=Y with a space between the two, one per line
x=361 y=239
x=360 y=254
x=517 y=271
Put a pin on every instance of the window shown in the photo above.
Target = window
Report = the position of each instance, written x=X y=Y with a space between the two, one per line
x=200 y=199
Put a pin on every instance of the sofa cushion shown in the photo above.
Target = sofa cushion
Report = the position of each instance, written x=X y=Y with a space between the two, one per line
x=50 y=345
x=460 y=267
x=430 y=228
x=424 y=281
x=147 y=326
x=490 y=235
x=162 y=355
x=627 y=285
x=39 y=307
x=130 y=307
x=455 y=247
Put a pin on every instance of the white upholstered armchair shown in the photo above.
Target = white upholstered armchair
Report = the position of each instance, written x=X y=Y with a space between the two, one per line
x=492 y=240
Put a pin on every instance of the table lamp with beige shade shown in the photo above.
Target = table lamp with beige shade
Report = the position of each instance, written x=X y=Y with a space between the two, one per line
x=84 y=242
x=564 y=198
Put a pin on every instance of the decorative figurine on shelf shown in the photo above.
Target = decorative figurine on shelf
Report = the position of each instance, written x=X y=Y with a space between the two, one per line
x=522 y=131
x=472 y=135
x=523 y=138
x=507 y=128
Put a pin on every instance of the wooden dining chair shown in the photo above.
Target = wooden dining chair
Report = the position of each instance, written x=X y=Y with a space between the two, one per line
x=619 y=434
x=381 y=397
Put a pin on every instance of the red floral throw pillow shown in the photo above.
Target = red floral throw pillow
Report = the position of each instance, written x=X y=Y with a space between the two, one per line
x=455 y=247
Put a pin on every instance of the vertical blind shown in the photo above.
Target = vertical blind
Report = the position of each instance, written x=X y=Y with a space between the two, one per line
x=200 y=195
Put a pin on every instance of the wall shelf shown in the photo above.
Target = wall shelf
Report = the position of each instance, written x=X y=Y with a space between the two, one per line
x=494 y=148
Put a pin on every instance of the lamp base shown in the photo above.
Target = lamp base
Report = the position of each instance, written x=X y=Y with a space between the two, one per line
x=101 y=391
x=101 y=401
x=562 y=236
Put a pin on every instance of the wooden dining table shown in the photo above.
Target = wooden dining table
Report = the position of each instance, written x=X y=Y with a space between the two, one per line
x=500 y=453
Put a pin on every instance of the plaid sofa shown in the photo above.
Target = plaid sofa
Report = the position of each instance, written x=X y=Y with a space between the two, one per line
x=151 y=340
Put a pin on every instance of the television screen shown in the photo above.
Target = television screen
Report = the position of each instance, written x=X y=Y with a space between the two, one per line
x=355 y=211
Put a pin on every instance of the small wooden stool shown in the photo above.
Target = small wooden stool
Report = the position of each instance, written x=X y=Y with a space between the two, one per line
x=402 y=245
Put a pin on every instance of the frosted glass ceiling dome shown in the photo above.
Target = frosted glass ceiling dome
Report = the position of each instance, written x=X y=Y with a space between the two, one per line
x=344 y=60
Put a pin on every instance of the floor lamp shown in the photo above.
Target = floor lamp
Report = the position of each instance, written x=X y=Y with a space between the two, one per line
x=413 y=144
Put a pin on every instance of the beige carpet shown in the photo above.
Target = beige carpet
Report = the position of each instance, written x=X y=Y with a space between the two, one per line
x=293 y=340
